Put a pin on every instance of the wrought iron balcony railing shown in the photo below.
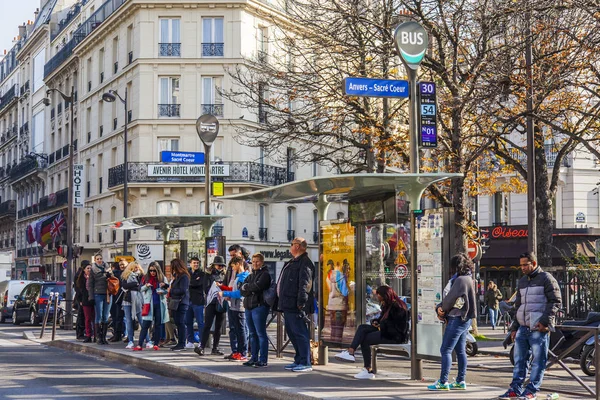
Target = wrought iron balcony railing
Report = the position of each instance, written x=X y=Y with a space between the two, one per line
x=8 y=97
x=8 y=208
x=212 y=49
x=169 y=110
x=239 y=171
x=169 y=49
x=27 y=165
x=263 y=234
x=214 y=109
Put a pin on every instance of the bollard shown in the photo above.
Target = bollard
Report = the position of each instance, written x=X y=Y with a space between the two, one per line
x=46 y=315
x=279 y=336
x=56 y=296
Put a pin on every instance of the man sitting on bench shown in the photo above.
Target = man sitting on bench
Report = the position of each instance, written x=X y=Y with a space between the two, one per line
x=390 y=328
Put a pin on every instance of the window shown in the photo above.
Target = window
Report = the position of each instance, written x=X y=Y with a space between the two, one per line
x=500 y=202
x=170 y=38
x=315 y=168
x=212 y=103
x=262 y=50
x=38 y=70
x=169 y=97
x=115 y=51
x=262 y=215
x=167 y=207
x=290 y=158
x=291 y=223
x=262 y=114
x=212 y=37
x=167 y=144
x=340 y=215
x=37 y=145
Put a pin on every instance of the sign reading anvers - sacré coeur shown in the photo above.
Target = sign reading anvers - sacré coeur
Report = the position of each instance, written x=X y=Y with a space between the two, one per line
x=186 y=170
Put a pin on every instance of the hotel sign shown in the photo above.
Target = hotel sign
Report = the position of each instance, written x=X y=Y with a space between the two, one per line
x=183 y=170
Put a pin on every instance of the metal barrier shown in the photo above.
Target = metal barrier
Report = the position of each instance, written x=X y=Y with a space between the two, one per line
x=53 y=296
x=281 y=339
x=557 y=359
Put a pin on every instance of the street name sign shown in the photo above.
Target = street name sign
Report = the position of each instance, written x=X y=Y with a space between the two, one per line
x=182 y=157
x=375 y=87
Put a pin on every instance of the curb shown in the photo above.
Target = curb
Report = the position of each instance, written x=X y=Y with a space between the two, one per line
x=200 y=375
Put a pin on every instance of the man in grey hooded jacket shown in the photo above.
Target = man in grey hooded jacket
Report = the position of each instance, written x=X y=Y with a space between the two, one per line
x=537 y=301
x=97 y=289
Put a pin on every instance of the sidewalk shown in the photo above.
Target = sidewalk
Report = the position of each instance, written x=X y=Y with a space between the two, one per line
x=334 y=381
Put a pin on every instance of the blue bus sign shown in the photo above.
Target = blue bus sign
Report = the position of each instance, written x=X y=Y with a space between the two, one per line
x=427 y=115
x=183 y=157
x=375 y=87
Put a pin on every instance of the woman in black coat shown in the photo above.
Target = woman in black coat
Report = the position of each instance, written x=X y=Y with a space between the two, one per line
x=390 y=328
x=179 y=292
x=213 y=311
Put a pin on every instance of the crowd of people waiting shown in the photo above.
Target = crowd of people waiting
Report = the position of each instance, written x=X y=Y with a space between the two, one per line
x=167 y=310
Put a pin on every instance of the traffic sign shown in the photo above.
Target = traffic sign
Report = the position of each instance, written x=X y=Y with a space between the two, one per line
x=375 y=87
x=474 y=250
x=401 y=271
x=65 y=264
x=411 y=40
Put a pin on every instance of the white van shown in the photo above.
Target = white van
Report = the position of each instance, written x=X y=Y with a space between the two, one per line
x=8 y=291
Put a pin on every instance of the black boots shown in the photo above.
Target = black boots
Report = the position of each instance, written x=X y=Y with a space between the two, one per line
x=88 y=339
x=101 y=332
x=104 y=330
x=98 y=331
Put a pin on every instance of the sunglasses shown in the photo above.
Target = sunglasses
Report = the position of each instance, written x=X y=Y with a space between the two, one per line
x=151 y=270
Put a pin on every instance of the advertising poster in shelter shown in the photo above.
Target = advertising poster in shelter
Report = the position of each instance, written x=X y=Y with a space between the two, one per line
x=338 y=280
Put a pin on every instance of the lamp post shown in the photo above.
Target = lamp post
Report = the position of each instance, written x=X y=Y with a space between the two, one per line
x=109 y=97
x=69 y=282
x=207 y=127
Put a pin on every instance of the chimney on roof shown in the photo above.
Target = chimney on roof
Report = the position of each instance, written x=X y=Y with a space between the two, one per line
x=22 y=30
x=35 y=14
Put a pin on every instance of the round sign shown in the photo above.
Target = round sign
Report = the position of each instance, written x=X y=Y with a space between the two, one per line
x=207 y=127
x=401 y=271
x=411 y=40
x=474 y=250
x=65 y=264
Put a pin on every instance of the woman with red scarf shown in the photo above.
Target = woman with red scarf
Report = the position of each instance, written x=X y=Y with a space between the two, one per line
x=390 y=328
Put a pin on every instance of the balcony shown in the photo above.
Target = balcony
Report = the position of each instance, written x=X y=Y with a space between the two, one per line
x=8 y=97
x=213 y=109
x=212 y=49
x=26 y=166
x=169 y=110
x=94 y=21
x=24 y=89
x=169 y=49
x=291 y=234
x=53 y=200
x=263 y=234
x=239 y=171
x=8 y=208
x=24 y=130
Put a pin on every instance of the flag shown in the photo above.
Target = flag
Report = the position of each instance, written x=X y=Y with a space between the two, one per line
x=43 y=227
x=30 y=234
x=58 y=224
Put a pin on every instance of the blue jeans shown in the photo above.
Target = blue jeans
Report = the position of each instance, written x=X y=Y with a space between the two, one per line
x=129 y=321
x=455 y=339
x=297 y=331
x=158 y=325
x=493 y=313
x=194 y=312
x=102 y=307
x=537 y=342
x=238 y=333
x=179 y=320
x=257 y=326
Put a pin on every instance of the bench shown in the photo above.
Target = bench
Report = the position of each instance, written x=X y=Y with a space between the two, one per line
x=402 y=349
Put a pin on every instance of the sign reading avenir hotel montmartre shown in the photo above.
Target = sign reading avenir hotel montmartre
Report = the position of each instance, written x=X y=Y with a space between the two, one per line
x=166 y=170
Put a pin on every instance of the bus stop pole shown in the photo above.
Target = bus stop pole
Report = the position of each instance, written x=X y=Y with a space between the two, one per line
x=322 y=207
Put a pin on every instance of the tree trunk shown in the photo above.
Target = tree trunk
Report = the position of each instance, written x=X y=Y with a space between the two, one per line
x=543 y=203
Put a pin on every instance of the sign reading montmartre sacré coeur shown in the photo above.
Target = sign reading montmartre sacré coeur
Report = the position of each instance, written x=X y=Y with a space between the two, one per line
x=186 y=170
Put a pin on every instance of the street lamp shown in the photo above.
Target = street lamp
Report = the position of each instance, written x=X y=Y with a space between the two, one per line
x=69 y=283
x=109 y=97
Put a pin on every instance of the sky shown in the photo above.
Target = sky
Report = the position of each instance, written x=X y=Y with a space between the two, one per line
x=12 y=14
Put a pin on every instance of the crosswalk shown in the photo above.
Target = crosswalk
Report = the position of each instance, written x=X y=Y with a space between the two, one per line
x=16 y=342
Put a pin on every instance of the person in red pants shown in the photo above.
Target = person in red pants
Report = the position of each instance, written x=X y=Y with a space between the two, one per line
x=86 y=305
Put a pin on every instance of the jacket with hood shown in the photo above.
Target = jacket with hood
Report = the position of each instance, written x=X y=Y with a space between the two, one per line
x=254 y=287
x=96 y=283
x=538 y=299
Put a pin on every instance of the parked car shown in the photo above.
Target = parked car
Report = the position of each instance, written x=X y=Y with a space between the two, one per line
x=8 y=291
x=31 y=304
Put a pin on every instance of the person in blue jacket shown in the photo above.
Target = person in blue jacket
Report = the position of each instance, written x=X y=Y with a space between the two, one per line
x=238 y=332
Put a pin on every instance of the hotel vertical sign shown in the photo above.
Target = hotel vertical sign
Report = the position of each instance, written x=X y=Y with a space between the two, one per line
x=78 y=179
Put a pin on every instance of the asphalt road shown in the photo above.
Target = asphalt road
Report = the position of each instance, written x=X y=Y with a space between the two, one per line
x=33 y=371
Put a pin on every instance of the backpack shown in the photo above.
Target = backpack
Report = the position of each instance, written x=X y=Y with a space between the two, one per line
x=270 y=294
x=112 y=285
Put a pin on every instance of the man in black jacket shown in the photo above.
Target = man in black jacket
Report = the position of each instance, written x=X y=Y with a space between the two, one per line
x=197 y=302
x=294 y=293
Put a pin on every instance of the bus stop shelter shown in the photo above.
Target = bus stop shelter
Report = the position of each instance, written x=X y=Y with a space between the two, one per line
x=324 y=190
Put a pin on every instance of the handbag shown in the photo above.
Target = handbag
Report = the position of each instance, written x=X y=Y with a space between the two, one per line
x=222 y=307
x=174 y=304
x=146 y=310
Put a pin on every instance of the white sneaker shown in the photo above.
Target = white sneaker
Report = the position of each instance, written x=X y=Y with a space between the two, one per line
x=149 y=345
x=345 y=356
x=189 y=345
x=364 y=374
x=130 y=345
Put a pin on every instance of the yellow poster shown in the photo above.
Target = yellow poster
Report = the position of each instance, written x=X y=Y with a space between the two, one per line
x=339 y=275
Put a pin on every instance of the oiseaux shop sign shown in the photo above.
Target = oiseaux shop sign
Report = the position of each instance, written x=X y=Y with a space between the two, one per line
x=186 y=170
